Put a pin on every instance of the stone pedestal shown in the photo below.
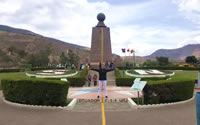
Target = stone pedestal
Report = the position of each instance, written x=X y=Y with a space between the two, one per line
x=95 y=53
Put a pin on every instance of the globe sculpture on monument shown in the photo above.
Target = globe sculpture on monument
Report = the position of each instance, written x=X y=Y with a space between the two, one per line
x=101 y=45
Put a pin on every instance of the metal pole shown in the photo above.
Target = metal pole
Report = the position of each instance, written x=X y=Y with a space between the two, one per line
x=134 y=60
x=142 y=97
x=138 y=97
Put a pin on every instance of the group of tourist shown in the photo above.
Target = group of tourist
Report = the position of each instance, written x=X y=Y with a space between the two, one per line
x=90 y=79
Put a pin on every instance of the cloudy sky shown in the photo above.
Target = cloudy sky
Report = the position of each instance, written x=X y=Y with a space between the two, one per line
x=144 y=25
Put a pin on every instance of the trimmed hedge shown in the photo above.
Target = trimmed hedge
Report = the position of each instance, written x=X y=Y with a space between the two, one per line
x=11 y=70
x=45 y=68
x=161 y=68
x=129 y=81
x=168 y=91
x=35 y=91
x=121 y=81
x=78 y=81
x=159 y=90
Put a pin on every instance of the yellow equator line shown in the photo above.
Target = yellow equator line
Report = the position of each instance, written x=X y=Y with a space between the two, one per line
x=102 y=100
x=103 y=112
x=102 y=45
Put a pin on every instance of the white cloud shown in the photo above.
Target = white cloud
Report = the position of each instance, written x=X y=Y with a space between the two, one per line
x=145 y=40
x=72 y=21
x=190 y=9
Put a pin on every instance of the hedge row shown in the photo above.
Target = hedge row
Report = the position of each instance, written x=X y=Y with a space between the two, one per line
x=35 y=91
x=159 y=90
x=78 y=81
x=161 y=68
x=129 y=81
x=11 y=70
x=123 y=81
x=45 y=68
x=168 y=91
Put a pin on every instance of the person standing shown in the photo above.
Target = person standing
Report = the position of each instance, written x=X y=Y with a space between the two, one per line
x=95 y=79
x=89 y=79
x=102 y=78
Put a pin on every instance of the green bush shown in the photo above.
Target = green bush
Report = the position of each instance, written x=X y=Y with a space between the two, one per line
x=161 y=68
x=168 y=91
x=129 y=81
x=79 y=80
x=76 y=81
x=45 y=68
x=11 y=70
x=159 y=90
x=35 y=91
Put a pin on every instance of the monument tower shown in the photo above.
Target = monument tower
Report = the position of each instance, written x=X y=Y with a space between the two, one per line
x=100 y=44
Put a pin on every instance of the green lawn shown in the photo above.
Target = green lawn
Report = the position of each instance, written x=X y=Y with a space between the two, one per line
x=21 y=75
x=178 y=74
x=66 y=72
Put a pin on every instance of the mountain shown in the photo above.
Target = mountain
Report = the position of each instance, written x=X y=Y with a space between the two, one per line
x=15 y=42
x=179 y=53
x=27 y=32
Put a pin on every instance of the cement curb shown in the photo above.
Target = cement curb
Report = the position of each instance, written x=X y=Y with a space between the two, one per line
x=58 y=76
x=70 y=106
x=164 y=104
x=132 y=103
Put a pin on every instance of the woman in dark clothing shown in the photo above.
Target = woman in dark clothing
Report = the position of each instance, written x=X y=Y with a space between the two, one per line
x=102 y=78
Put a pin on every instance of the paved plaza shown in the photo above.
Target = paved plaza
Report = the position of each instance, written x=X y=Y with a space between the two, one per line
x=91 y=92
x=181 y=114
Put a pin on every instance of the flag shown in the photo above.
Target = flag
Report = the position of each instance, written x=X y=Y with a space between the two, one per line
x=132 y=51
x=127 y=50
x=123 y=50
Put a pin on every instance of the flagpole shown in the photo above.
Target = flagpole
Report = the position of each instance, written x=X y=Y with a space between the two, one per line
x=134 y=59
x=124 y=63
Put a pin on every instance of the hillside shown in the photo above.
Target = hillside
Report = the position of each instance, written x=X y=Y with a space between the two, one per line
x=179 y=53
x=13 y=41
x=17 y=45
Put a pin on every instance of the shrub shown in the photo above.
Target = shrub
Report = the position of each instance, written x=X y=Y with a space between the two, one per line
x=168 y=91
x=159 y=90
x=35 y=91
x=162 y=68
x=76 y=81
x=79 y=80
x=11 y=70
x=129 y=81
x=45 y=68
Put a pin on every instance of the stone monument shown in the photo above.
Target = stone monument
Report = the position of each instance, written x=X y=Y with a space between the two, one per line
x=100 y=44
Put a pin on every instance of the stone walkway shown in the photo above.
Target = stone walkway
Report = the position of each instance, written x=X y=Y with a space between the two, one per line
x=181 y=114
x=91 y=92
x=96 y=106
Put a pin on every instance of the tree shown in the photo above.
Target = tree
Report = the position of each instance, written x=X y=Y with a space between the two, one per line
x=191 y=59
x=150 y=63
x=73 y=58
x=162 y=61
x=63 y=58
x=39 y=59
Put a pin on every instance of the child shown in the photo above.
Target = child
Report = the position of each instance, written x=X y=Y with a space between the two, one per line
x=95 y=79
x=89 y=79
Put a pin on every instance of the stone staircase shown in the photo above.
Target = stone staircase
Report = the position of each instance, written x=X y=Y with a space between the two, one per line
x=110 y=78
